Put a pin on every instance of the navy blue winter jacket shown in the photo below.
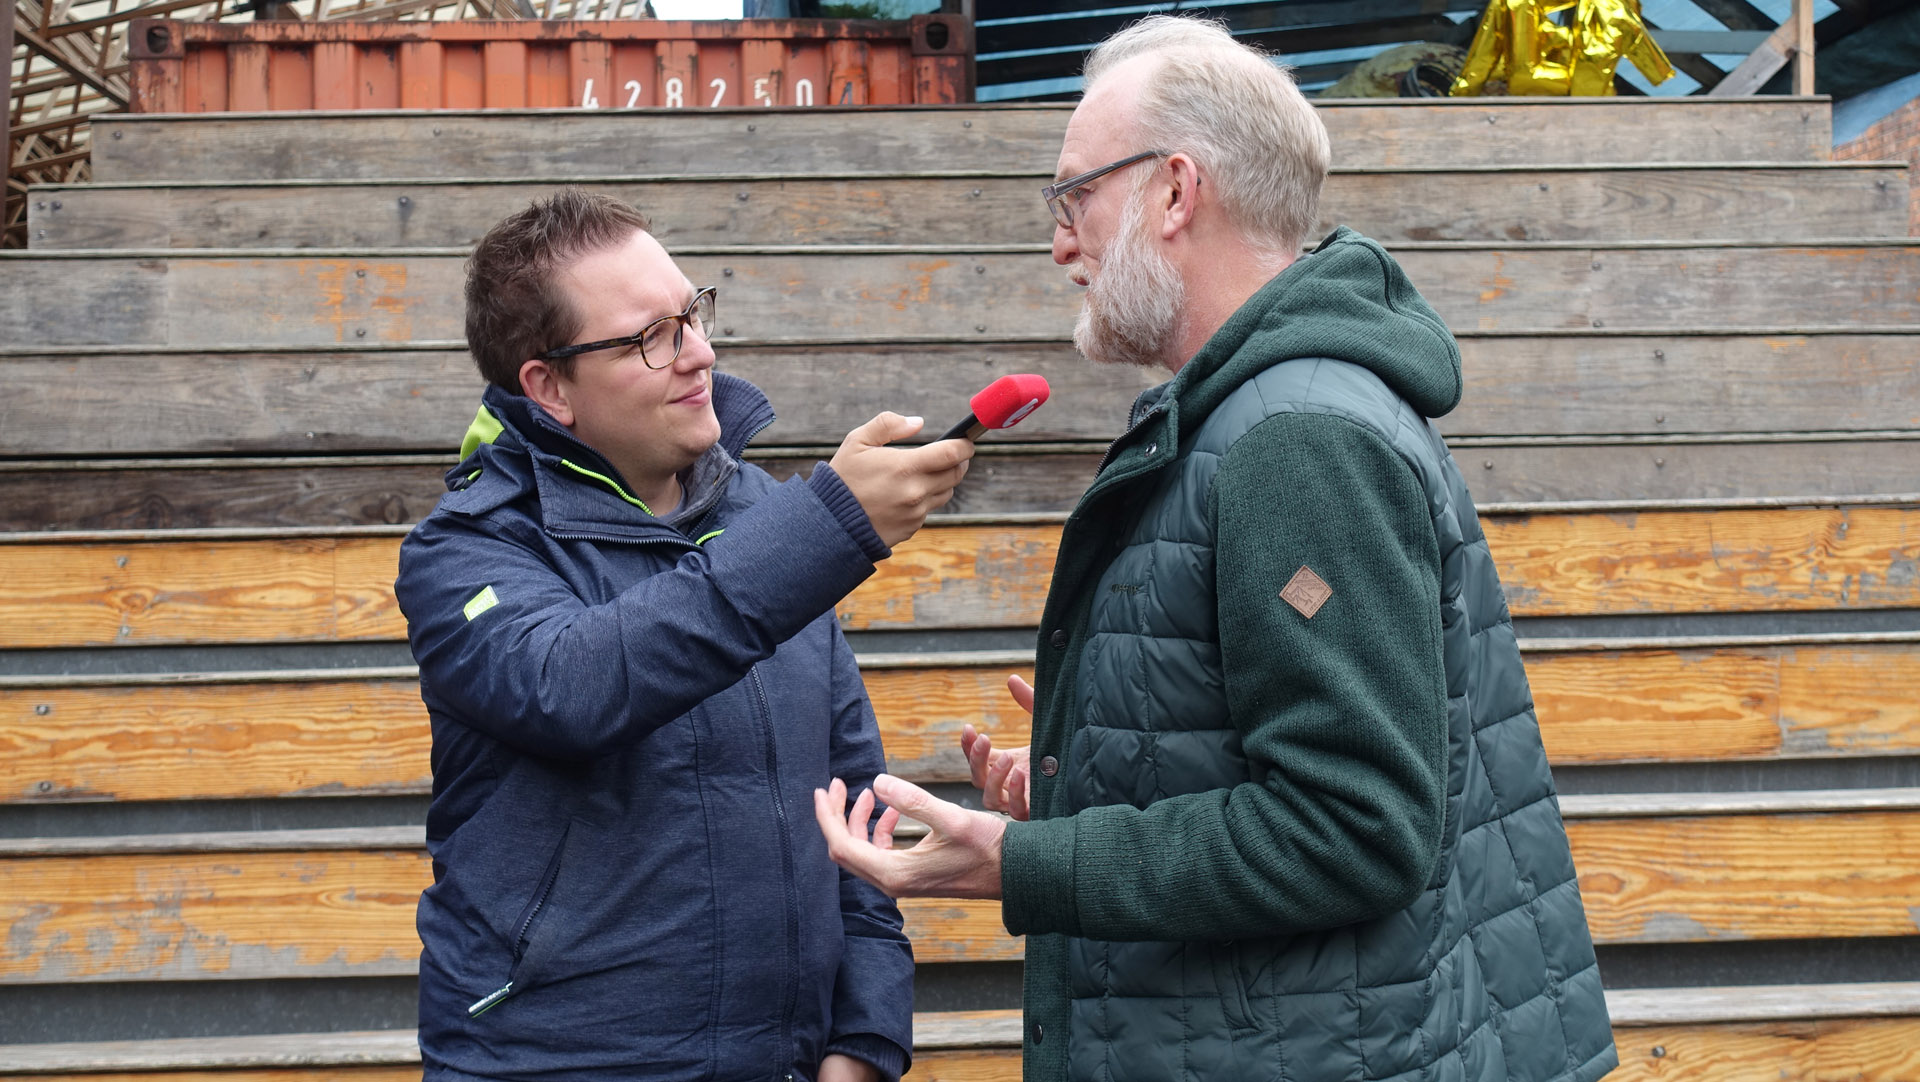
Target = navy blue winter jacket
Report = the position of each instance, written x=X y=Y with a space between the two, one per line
x=629 y=721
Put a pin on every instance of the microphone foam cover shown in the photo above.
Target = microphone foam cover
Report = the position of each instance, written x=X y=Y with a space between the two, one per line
x=1002 y=403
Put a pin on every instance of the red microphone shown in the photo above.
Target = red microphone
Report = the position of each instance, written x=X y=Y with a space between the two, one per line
x=1001 y=404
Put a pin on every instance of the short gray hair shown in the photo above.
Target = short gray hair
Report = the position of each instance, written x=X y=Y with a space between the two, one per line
x=1237 y=113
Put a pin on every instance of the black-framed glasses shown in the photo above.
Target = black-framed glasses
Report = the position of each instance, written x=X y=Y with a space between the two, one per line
x=1056 y=193
x=661 y=340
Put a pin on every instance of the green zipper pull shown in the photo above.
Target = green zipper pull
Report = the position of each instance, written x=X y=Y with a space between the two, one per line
x=490 y=1000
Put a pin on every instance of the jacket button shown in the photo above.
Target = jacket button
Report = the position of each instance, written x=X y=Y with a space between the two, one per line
x=1039 y=1033
x=1059 y=639
x=1049 y=766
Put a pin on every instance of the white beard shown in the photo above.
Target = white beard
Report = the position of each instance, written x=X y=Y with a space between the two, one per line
x=1131 y=312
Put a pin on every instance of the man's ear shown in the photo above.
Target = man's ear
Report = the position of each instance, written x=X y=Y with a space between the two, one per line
x=541 y=383
x=1183 y=189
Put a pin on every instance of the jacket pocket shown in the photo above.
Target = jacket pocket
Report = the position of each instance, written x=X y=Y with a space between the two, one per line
x=1232 y=987
x=531 y=951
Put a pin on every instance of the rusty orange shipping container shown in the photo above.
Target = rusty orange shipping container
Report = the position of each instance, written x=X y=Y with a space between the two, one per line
x=190 y=67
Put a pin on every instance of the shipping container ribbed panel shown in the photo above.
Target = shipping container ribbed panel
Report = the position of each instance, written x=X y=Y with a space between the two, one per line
x=181 y=67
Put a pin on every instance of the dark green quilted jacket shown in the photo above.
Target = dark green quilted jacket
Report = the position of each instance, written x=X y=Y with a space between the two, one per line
x=1292 y=819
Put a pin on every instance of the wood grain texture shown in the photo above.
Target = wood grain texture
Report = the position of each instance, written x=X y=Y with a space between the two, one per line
x=1841 y=1050
x=163 y=917
x=366 y=733
x=350 y=912
x=1674 y=470
x=1846 y=1050
x=1717 y=203
x=1748 y=876
x=36 y=496
x=223 y=298
x=299 y=589
x=1731 y=703
x=220 y=740
x=1720 y=561
x=1012 y=139
x=320 y=589
x=420 y=400
x=246 y=493
x=1831 y=1050
x=969 y=1065
x=313 y=492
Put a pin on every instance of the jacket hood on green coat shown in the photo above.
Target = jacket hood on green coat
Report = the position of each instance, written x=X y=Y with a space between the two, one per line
x=1347 y=300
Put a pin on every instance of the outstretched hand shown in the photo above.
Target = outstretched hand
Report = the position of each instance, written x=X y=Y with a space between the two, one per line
x=959 y=857
x=898 y=486
x=1003 y=777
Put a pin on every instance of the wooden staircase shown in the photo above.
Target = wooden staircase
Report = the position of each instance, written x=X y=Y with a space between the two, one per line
x=231 y=373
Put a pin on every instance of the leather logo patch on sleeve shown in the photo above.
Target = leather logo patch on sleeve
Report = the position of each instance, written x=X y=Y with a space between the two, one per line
x=1306 y=592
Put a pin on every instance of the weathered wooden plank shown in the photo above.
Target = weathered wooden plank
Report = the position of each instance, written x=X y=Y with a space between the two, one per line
x=320 y=298
x=165 y=916
x=1632 y=1008
x=36 y=496
x=1502 y=204
x=1747 y=877
x=312 y=492
x=1693 y=470
x=969 y=1065
x=1552 y=565
x=1830 y=1050
x=350 y=913
x=107 y=591
x=169 y=741
x=383 y=401
x=1009 y=138
x=365 y=732
x=1727 y=703
x=1839 y=1050
x=136 y=495
x=1835 y=1050
x=298 y=589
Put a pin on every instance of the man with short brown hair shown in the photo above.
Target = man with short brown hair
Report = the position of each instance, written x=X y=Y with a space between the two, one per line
x=629 y=655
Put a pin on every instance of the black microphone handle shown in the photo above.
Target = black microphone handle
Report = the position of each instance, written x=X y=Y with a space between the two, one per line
x=970 y=429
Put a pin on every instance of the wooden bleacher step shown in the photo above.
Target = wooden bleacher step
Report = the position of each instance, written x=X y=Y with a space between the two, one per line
x=1754 y=1034
x=1009 y=138
x=1654 y=868
x=363 y=731
x=279 y=297
x=419 y=396
x=1808 y=201
x=1551 y=416
x=127 y=588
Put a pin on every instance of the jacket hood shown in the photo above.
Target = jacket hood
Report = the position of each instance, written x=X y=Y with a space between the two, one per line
x=1347 y=300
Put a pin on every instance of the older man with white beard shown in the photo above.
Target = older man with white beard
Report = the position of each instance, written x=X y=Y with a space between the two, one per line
x=1285 y=813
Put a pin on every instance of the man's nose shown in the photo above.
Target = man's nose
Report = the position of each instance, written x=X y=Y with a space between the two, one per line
x=1066 y=246
x=695 y=353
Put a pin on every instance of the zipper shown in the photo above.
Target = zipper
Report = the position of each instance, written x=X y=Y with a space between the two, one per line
x=677 y=541
x=539 y=901
x=786 y=861
x=493 y=999
x=1114 y=447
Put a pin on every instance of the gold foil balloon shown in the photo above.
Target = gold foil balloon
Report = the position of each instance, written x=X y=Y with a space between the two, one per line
x=1522 y=45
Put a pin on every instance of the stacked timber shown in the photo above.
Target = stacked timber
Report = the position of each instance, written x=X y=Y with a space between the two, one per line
x=231 y=375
